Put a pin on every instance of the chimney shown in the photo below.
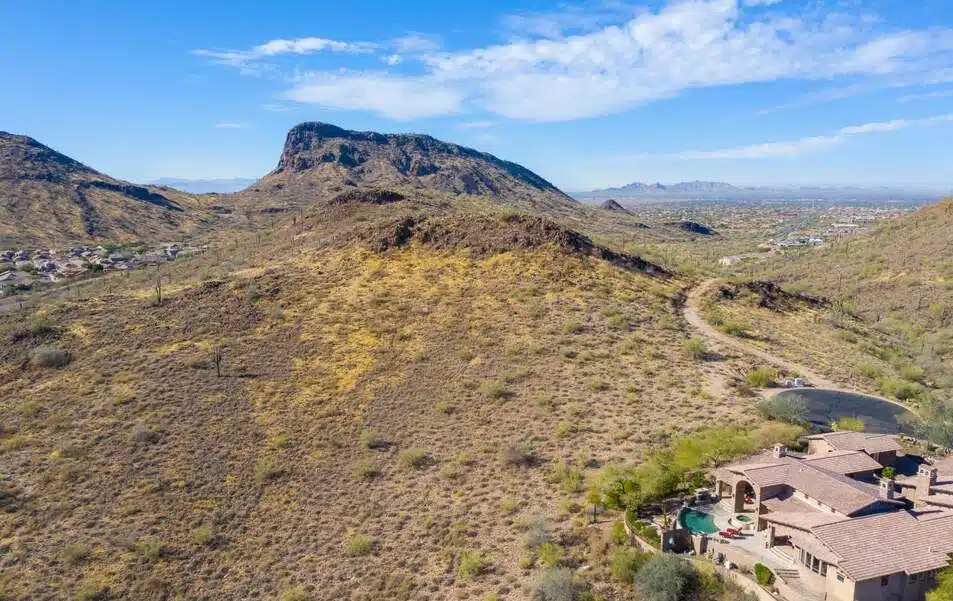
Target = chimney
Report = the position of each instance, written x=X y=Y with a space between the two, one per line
x=926 y=479
x=780 y=450
x=886 y=488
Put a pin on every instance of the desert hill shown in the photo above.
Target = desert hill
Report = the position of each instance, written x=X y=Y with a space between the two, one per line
x=320 y=160
x=392 y=421
x=611 y=205
x=898 y=277
x=49 y=199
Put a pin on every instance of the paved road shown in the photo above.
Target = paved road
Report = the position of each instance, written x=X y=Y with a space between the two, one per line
x=839 y=401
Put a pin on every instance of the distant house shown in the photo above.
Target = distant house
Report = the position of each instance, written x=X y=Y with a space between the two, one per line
x=841 y=531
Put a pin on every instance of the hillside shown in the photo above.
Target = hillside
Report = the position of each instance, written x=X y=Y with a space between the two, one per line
x=899 y=278
x=398 y=395
x=320 y=160
x=49 y=199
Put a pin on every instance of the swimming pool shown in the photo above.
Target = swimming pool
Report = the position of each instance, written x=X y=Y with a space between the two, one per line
x=697 y=522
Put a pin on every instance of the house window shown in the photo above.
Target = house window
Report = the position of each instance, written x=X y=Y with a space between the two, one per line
x=913 y=577
x=884 y=580
x=815 y=565
x=823 y=569
x=840 y=576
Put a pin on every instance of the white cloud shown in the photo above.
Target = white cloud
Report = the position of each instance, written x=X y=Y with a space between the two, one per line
x=275 y=108
x=801 y=146
x=617 y=58
x=761 y=2
x=245 y=59
x=232 y=125
x=399 y=98
x=415 y=43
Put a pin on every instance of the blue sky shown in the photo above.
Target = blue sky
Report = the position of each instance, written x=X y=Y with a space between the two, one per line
x=588 y=94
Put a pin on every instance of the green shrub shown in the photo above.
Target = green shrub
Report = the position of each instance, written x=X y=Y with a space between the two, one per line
x=202 y=535
x=566 y=476
x=557 y=585
x=295 y=593
x=550 y=555
x=900 y=389
x=152 y=548
x=267 y=469
x=913 y=373
x=50 y=356
x=471 y=564
x=888 y=473
x=366 y=470
x=537 y=531
x=851 y=424
x=75 y=553
x=665 y=577
x=493 y=389
x=624 y=563
x=618 y=534
x=694 y=348
x=647 y=532
x=763 y=575
x=573 y=327
x=414 y=458
x=870 y=370
x=734 y=327
x=519 y=455
x=370 y=439
x=762 y=377
x=790 y=408
x=564 y=429
x=356 y=544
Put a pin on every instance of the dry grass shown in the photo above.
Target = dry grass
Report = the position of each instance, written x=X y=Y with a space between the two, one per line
x=183 y=484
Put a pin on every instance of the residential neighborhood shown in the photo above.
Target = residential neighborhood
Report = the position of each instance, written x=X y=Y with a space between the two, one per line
x=22 y=269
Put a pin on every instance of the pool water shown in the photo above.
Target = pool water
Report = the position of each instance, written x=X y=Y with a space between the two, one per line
x=697 y=522
x=743 y=519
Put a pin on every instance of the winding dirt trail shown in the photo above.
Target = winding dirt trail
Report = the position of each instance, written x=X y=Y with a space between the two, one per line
x=718 y=338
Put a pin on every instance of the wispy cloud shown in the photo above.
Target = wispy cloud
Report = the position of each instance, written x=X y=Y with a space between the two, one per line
x=246 y=59
x=232 y=125
x=399 y=98
x=477 y=124
x=574 y=64
x=926 y=96
x=793 y=148
x=275 y=108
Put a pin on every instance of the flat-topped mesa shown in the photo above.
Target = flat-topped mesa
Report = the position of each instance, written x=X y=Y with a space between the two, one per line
x=356 y=158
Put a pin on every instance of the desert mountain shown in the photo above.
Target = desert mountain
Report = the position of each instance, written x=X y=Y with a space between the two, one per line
x=47 y=198
x=679 y=189
x=611 y=205
x=205 y=186
x=320 y=160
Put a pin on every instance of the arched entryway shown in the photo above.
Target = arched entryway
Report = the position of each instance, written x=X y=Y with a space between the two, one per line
x=745 y=497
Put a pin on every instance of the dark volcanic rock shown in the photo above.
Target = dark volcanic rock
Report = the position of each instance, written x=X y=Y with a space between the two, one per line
x=612 y=205
x=368 y=196
x=694 y=228
x=485 y=235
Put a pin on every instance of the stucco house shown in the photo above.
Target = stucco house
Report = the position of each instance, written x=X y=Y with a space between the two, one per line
x=850 y=534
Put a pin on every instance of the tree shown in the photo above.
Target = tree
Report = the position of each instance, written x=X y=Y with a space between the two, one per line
x=665 y=577
x=790 y=408
x=944 y=589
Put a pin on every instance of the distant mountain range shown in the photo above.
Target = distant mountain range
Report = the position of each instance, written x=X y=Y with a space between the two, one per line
x=703 y=190
x=205 y=186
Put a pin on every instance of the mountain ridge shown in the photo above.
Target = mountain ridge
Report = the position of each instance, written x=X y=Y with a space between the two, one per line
x=320 y=160
x=47 y=197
